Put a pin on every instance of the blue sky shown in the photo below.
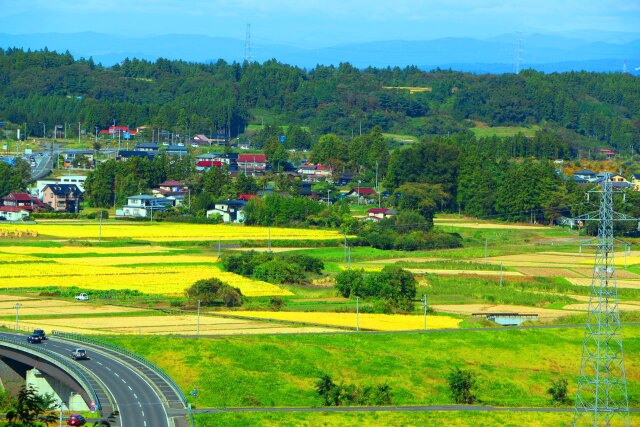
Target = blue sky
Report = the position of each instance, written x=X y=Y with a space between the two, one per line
x=313 y=23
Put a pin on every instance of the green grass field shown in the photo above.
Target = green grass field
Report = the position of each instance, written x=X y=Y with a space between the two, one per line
x=502 y=131
x=384 y=419
x=514 y=367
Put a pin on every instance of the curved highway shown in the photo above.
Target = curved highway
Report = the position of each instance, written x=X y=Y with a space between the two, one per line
x=140 y=403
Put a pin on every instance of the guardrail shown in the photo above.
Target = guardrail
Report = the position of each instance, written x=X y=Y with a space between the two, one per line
x=55 y=358
x=155 y=368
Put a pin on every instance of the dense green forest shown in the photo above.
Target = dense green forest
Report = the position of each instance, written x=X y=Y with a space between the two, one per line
x=582 y=109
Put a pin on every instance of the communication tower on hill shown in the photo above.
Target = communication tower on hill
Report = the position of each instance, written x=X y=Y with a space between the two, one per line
x=517 y=54
x=602 y=384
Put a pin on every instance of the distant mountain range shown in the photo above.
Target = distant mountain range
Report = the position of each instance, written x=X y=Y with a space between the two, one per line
x=544 y=52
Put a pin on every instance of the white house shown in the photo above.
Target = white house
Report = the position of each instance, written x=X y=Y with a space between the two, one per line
x=78 y=180
x=230 y=210
x=144 y=205
x=13 y=213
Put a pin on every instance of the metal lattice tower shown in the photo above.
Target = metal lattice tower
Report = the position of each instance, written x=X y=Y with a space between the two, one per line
x=602 y=398
x=247 y=44
x=517 y=55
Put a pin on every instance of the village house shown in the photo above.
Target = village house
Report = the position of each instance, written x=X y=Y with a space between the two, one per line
x=635 y=181
x=144 y=206
x=230 y=211
x=376 y=214
x=62 y=197
x=363 y=194
x=314 y=173
x=146 y=146
x=13 y=213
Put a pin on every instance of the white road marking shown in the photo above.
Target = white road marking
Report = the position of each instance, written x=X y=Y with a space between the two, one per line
x=130 y=388
x=142 y=413
x=135 y=395
x=116 y=374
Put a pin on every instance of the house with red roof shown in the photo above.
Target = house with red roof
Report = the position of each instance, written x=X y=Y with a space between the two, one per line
x=376 y=214
x=252 y=161
x=205 y=165
x=19 y=200
x=247 y=197
x=13 y=213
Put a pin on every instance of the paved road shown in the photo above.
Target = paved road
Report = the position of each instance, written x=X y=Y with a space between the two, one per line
x=139 y=403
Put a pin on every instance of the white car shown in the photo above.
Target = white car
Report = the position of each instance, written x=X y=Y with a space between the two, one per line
x=82 y=297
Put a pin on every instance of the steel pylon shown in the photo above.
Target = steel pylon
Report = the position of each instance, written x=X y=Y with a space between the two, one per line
x=602 y=398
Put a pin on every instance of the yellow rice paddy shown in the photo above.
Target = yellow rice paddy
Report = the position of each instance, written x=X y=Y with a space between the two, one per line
x=378 y=322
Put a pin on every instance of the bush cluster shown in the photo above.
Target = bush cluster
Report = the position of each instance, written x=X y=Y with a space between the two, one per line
x=394 y=286
x=333 y=394
x=273 y=268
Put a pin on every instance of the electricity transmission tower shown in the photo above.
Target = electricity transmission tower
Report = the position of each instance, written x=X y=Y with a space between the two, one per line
x=602 y=386
x=247 y=44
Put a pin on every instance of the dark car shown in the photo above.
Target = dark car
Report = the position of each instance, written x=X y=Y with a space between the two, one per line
x=34 y=339
x=76 y=420
x=40 y=333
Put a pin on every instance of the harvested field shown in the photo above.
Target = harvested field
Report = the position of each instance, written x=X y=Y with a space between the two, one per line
x=489 y=225
x=632 y=284
x=620 y=273
x=621 y=307
x=57 y=307
x=408 y=259
x=549 y=272
x=165 y=325
x=468 y=309
x=378 y=322
x=463 y=272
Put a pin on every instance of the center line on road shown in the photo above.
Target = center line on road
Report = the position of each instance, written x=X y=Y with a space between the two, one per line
x=135 y=395
x=130 y=388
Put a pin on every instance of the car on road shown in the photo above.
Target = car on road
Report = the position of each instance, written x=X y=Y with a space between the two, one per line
x=40 y=333
x=76 y=420
x=82 y=297
x=34 y=339
x=79 y=354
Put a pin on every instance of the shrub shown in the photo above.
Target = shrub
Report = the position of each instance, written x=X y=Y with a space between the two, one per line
x=461 y=385
x=559 y=392
x=211 y=291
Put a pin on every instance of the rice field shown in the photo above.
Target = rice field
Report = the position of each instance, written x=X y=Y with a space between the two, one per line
x=156 y=272
x=377 y=322
x=468 y=309
x=166 y=325
x=156 y=232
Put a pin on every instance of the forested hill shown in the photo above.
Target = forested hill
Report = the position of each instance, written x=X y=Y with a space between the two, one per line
x=589 y=109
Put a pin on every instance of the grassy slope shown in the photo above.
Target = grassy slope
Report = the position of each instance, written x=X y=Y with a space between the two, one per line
x=515 y=368
x=458 y=419
x=503 y=131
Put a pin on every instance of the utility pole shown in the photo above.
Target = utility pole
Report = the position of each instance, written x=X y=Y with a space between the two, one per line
x=17 y=307
x=198 y=324
x=486 y=251
x=357 y=313
x=602 y=398
x=424 y=305
x=100 y=229
x=500 y=274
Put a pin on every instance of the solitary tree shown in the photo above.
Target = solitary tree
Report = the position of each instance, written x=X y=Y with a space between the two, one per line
x=461 y=384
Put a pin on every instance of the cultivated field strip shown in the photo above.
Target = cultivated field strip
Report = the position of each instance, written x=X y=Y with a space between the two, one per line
x=378 y=322
x=158 y=232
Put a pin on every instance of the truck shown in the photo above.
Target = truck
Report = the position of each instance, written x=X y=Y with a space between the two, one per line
x=79 y=354
x=82 y=297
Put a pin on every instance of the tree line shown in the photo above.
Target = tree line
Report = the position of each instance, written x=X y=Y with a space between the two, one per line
x=588 y=109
